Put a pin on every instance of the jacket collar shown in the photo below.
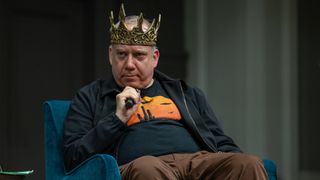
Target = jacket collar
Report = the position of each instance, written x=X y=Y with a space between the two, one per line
x=109 y=86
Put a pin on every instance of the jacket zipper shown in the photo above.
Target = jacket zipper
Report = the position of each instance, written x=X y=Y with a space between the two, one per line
x=193 y=122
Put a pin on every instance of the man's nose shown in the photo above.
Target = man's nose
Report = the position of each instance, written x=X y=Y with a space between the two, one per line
x=130 y=62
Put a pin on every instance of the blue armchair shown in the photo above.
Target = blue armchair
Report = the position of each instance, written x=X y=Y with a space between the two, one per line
x=105 y=166
x=100 y=166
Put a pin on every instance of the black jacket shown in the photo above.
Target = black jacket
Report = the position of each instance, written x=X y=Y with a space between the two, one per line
x=92 y=127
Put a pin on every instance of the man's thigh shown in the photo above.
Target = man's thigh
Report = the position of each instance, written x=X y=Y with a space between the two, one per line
x=199 y=165
x=208 y=165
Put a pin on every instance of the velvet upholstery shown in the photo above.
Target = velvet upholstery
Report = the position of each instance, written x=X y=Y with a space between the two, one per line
x=100 y=166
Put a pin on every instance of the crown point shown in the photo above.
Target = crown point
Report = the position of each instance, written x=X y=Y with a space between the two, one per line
x=111 y=17
x=140 y=22
x=122 y=13
x=152 y=23
x=141 y=15
x=158 y=23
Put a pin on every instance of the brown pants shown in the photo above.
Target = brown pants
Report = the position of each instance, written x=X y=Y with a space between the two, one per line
x=201 y=165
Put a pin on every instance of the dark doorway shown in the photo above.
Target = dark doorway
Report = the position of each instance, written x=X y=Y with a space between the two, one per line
x=309 y=84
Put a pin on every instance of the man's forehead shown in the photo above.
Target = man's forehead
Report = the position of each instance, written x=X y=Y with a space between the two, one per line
x=131 y=47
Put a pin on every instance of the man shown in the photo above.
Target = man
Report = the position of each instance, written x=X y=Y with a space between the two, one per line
x=155 y=126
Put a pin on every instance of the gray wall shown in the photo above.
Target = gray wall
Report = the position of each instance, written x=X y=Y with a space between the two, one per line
x=243 y=54
x=258 y=62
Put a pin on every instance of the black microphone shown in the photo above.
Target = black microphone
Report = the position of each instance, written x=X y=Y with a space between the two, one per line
x=129 y=103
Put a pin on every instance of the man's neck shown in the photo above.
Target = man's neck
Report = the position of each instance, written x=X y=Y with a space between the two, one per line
x=150 y=84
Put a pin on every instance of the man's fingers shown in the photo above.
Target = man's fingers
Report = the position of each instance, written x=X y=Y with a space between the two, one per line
x=123 y=111
x=132 y=93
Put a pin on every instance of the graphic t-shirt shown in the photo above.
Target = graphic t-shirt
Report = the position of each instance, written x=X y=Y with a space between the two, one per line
x=156 y=128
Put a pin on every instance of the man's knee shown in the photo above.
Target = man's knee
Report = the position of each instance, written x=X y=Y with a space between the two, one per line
x=249 y=166
x=145 y=163
x=240 y=160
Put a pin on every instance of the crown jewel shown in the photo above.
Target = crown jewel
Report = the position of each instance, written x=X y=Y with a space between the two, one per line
x=120 y=34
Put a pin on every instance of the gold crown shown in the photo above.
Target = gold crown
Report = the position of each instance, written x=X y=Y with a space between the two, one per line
x=121 y=35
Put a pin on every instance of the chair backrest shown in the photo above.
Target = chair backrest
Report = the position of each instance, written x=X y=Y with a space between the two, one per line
x=54 y=115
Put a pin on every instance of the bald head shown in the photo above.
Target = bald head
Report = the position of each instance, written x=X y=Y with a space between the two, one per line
x=132 y=21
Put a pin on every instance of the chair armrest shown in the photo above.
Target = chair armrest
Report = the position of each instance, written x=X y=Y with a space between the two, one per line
x=271 y=169
x=99 y=166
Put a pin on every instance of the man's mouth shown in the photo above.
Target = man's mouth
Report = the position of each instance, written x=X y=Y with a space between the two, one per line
x=129 y=75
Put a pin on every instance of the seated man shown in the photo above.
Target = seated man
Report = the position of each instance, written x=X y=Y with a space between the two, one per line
x=155 y=126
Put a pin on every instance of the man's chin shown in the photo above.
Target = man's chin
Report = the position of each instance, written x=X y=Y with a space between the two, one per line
x=133 y=84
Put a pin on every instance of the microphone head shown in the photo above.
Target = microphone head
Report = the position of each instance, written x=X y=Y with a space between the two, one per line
x=129 y=103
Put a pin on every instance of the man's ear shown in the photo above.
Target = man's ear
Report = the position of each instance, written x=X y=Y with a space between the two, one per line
x=110 y=55
x=156 y=55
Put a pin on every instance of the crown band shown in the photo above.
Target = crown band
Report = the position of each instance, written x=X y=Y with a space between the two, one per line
x=120 y=34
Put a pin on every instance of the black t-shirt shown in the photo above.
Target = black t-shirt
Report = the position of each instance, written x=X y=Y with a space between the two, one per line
x=156 y=128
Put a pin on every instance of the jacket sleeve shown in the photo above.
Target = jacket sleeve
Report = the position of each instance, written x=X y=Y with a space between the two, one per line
x=224 y=142
x=82 y=138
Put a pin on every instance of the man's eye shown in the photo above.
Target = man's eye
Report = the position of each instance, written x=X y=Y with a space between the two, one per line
x=140 y=56
x=121 y=54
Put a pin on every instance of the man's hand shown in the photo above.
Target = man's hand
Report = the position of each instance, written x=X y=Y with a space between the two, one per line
x=122 y=112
